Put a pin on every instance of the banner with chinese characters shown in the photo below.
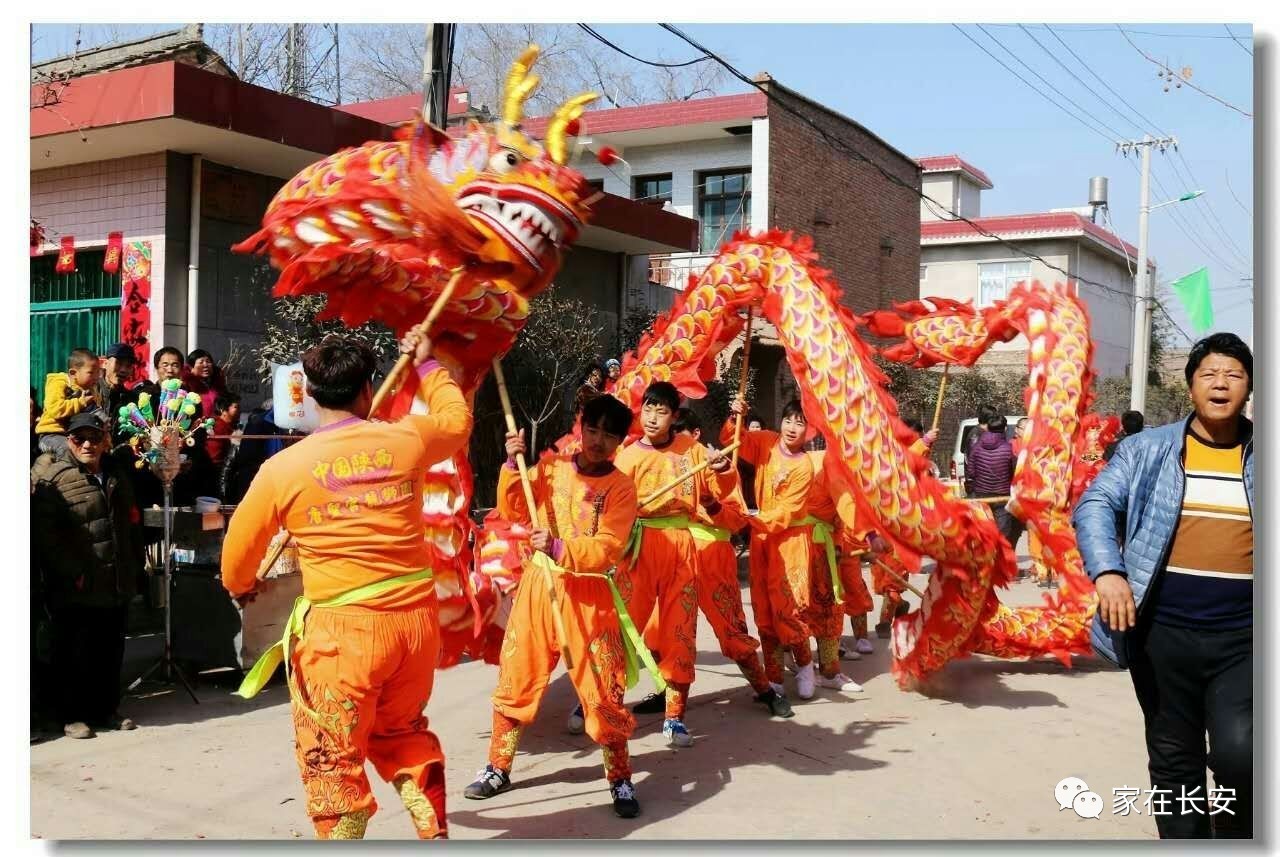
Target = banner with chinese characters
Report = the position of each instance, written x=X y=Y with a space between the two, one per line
x=67 y=256
x=135 y=300
x=115 y=246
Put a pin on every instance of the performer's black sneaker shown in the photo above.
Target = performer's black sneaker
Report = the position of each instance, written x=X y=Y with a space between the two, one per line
x=489 y=782
x=624 y=799
x=882 y=630
x=654 y=703
x=776 y=703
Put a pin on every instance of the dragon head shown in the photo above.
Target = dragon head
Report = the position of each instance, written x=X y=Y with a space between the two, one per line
x=519 y=195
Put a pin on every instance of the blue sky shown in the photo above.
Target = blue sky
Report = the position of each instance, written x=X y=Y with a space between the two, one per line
x=927 y=89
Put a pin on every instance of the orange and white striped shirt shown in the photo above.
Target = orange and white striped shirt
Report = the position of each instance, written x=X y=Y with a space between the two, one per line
x=1209 y=575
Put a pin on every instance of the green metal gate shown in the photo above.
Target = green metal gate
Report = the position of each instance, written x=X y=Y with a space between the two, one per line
x=80 y=310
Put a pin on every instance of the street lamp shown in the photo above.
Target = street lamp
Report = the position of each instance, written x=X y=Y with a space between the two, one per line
x=1184 y=198
x=1143 y=298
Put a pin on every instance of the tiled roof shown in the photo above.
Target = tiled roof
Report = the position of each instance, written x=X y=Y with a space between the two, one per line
x=953 y=163
x=1067 y=223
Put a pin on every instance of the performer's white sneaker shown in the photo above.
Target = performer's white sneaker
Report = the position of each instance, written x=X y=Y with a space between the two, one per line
x=576 y=724
x=849 y=654
x=864 y=646
x=839 y=681
x=805 y=681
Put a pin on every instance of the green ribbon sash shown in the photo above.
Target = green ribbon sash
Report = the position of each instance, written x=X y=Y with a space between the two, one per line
x=667 y=522
x=632 y=643
x=825 y=534
x=258 y=676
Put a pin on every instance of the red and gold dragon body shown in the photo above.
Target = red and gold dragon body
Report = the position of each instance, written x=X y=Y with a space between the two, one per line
x=844 y=397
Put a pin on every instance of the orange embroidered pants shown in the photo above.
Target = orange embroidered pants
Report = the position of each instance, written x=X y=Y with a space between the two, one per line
x=530 y=652
x=663 y=577
x=366 y=676
x=824 y=616
x=720 y=601
x=779 y=574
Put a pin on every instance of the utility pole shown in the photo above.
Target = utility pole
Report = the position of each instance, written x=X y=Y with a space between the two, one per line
x=436 y=68
x=1142 y=294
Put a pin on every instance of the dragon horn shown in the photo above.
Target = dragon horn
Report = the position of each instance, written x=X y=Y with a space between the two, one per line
x=565 y=115
x=520 y=85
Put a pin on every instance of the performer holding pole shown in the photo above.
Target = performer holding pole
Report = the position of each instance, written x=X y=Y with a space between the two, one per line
x=523 y=468
x=596 y=504
x=351 y=496
x=658 y=570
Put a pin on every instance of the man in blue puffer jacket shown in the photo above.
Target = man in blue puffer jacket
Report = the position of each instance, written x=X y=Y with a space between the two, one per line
x=1166 y=534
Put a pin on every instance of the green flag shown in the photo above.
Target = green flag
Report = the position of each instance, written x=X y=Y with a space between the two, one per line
x=1193 y=291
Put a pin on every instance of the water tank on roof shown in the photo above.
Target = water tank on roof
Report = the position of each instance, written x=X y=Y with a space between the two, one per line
x=1098 y=190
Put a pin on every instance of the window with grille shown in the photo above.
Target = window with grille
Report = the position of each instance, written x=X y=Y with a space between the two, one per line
x=724 y=206
x=995 y=279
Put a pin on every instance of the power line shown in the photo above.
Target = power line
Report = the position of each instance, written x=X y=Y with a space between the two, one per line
x=1182 y=216
x=1032 y=86
x=1202 y=204
x=888 y=176
x=1227 y=175
x=1118 y=135
x=593 y=34
x=1088 y=68
x=1237 y=41
x=1157 y=62
x=1135 y=32
x=1215 y=225
x=1077 y=79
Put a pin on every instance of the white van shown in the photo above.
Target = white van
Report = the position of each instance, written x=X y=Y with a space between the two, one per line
x=967 y=434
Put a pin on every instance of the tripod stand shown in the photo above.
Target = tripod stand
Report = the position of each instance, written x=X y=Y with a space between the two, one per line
x=171 y=667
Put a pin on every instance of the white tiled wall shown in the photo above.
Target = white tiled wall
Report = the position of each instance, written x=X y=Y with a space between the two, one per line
x=90 y=200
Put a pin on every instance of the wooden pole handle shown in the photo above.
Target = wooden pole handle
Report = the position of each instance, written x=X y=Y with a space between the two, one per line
x=523 y=467
x=674 y=483
x=889 y=571
x=389 y=383
x=942 y=391
x=743 y=376
x=270 y=561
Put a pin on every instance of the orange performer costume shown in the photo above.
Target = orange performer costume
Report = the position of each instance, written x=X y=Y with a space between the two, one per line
x=839 y=591
x=719 y=599
x=780 y=547
x=659 y=567
x=351 y=496
x=594 y=516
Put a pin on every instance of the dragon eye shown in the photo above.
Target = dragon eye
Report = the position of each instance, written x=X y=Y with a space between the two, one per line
x=503 y=161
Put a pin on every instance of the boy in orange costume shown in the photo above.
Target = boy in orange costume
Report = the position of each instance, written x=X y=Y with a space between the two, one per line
x=659 y=569
x=351 y=496
x=780 y=543
x=718 y=595
x=592 y=506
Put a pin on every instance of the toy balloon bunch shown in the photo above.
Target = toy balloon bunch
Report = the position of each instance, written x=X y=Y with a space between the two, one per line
x=158 y=434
